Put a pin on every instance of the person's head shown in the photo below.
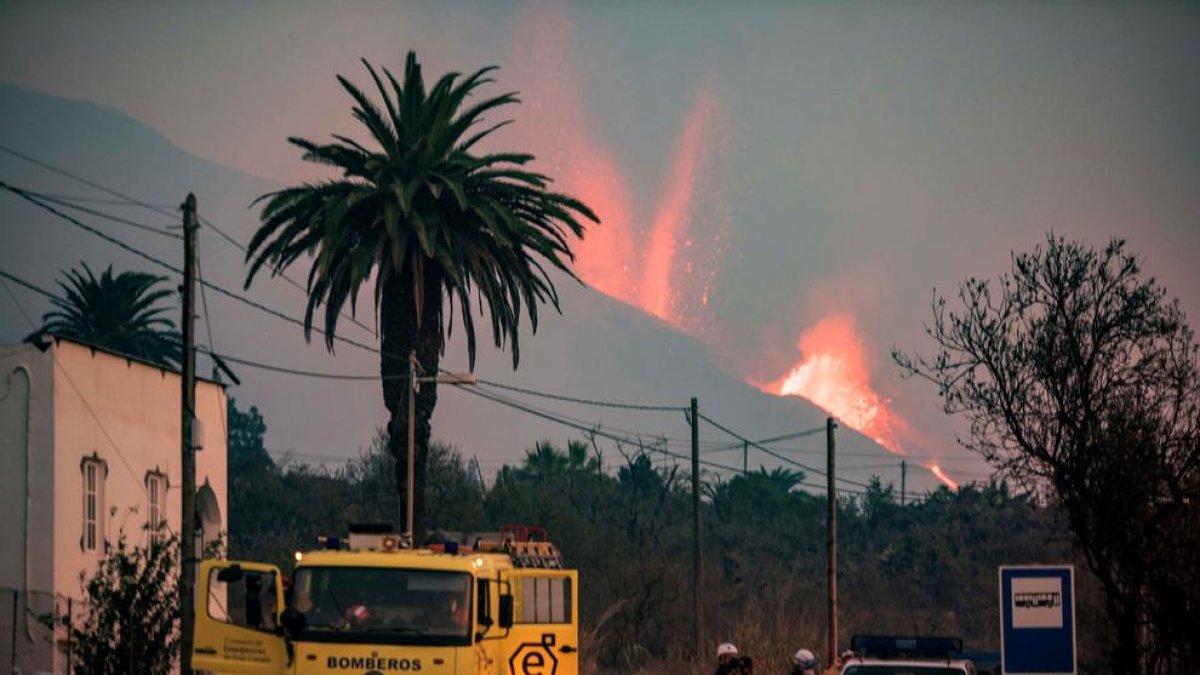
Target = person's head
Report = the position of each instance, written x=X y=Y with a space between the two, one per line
x=805 y=661
x=357 y=615
x=726 y=652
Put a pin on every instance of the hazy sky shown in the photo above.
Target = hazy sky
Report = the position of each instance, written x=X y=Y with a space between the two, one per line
x=809 y=159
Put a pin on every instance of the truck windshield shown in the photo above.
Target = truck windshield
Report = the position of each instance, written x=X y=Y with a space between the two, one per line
x=383 y=605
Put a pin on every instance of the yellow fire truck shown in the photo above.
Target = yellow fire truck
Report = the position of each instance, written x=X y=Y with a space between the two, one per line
x=502 y=605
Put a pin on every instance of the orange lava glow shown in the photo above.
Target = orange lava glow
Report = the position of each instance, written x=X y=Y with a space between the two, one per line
x=556 y=127
x=671 y=221
x=834 y=375
x=941 y=475
x=668 y=265
x=628 y=256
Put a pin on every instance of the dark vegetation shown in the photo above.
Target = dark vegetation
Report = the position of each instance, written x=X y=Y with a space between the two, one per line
x=622 y=517
x=128 y=619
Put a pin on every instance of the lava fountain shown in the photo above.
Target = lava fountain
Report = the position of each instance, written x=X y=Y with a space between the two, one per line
x=833 y=374
x=673 y=216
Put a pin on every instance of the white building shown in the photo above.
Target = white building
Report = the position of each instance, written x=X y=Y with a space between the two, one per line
x=90 y=447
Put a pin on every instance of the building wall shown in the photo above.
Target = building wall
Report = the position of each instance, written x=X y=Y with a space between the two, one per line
x=126 y=414
x=26 y=468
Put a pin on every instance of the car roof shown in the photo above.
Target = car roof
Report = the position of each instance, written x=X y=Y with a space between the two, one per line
x=873 y=661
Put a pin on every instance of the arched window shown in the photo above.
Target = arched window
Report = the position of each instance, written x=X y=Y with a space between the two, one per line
x=156 y=504
x=94 y=472
x=208 y=520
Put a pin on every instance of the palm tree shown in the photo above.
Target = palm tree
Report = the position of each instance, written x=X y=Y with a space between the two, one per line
x=121 y=313
x=434 y=223
x=545 y=460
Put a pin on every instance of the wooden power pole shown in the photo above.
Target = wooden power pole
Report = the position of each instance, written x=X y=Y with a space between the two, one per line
x=830 y=425
x=903 y=481
x=187 y=544
x=697 y=621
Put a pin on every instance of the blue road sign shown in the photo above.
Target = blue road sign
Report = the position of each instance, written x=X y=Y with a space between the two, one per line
x=1037 y=620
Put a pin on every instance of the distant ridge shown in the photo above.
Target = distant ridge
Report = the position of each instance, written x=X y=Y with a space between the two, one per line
x=599 y=348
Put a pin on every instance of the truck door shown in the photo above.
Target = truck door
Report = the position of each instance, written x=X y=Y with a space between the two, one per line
x=544 y=639
x=238 y=605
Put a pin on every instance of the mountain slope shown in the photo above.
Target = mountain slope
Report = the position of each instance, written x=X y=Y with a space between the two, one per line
x=598 y=349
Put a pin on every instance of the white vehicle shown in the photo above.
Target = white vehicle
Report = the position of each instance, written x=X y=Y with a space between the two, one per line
x=887 y=655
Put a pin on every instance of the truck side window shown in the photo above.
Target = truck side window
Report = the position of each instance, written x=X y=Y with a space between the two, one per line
x=483 y=599
x=545 y=600
x=248 y=602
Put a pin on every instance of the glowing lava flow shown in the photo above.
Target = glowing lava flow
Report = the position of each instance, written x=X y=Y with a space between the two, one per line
x=674 y=211
x=941 y=475
x=833 y=374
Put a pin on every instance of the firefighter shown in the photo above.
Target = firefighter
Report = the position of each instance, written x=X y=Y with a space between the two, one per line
x=729 y=662
x=804 y=662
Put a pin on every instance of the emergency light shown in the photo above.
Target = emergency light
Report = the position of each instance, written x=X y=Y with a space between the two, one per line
x=888 y=646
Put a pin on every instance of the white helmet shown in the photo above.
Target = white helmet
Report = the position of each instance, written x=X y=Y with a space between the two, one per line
x=804 y=659
x=726 y=649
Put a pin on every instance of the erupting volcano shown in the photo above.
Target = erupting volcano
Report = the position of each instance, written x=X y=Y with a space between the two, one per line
x=667 y=264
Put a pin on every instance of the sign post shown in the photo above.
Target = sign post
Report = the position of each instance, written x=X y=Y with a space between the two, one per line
x=1037 y=620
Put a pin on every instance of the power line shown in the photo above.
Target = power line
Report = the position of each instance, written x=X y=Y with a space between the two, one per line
x=302 y=373
x=599 y=431
x=306 y=373
x=776 y=455
x=583 y=401
x=76 y=199
x=26 y=284
x=773 y=439
x=100 y=214
x=334 y=376
x=81 y=179
x=32 y=197
x=133 y=201
x=281 y=274
x=145 y=256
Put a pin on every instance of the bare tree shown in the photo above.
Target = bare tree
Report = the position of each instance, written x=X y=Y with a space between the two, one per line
x=1078 y=377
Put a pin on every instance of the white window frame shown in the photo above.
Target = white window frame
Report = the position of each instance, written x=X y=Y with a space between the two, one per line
x=156 y=504
x=94 y=472
x=545 y=599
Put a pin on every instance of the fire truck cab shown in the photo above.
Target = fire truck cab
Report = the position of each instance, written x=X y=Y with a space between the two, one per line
x=370 y=606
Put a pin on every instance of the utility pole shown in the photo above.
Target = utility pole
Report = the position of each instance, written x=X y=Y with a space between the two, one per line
x=697 y=621
x=830 y=425
x=903 y=480
x=411 y=452
x=745 y=455
x=187 y=580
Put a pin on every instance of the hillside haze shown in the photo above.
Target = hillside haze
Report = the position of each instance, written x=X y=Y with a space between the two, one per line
x=598 y=348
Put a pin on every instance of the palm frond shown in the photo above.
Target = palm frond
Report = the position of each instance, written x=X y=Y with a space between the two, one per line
x=416 y=205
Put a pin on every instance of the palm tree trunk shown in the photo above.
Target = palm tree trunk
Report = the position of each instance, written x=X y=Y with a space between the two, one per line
x=401 y=335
